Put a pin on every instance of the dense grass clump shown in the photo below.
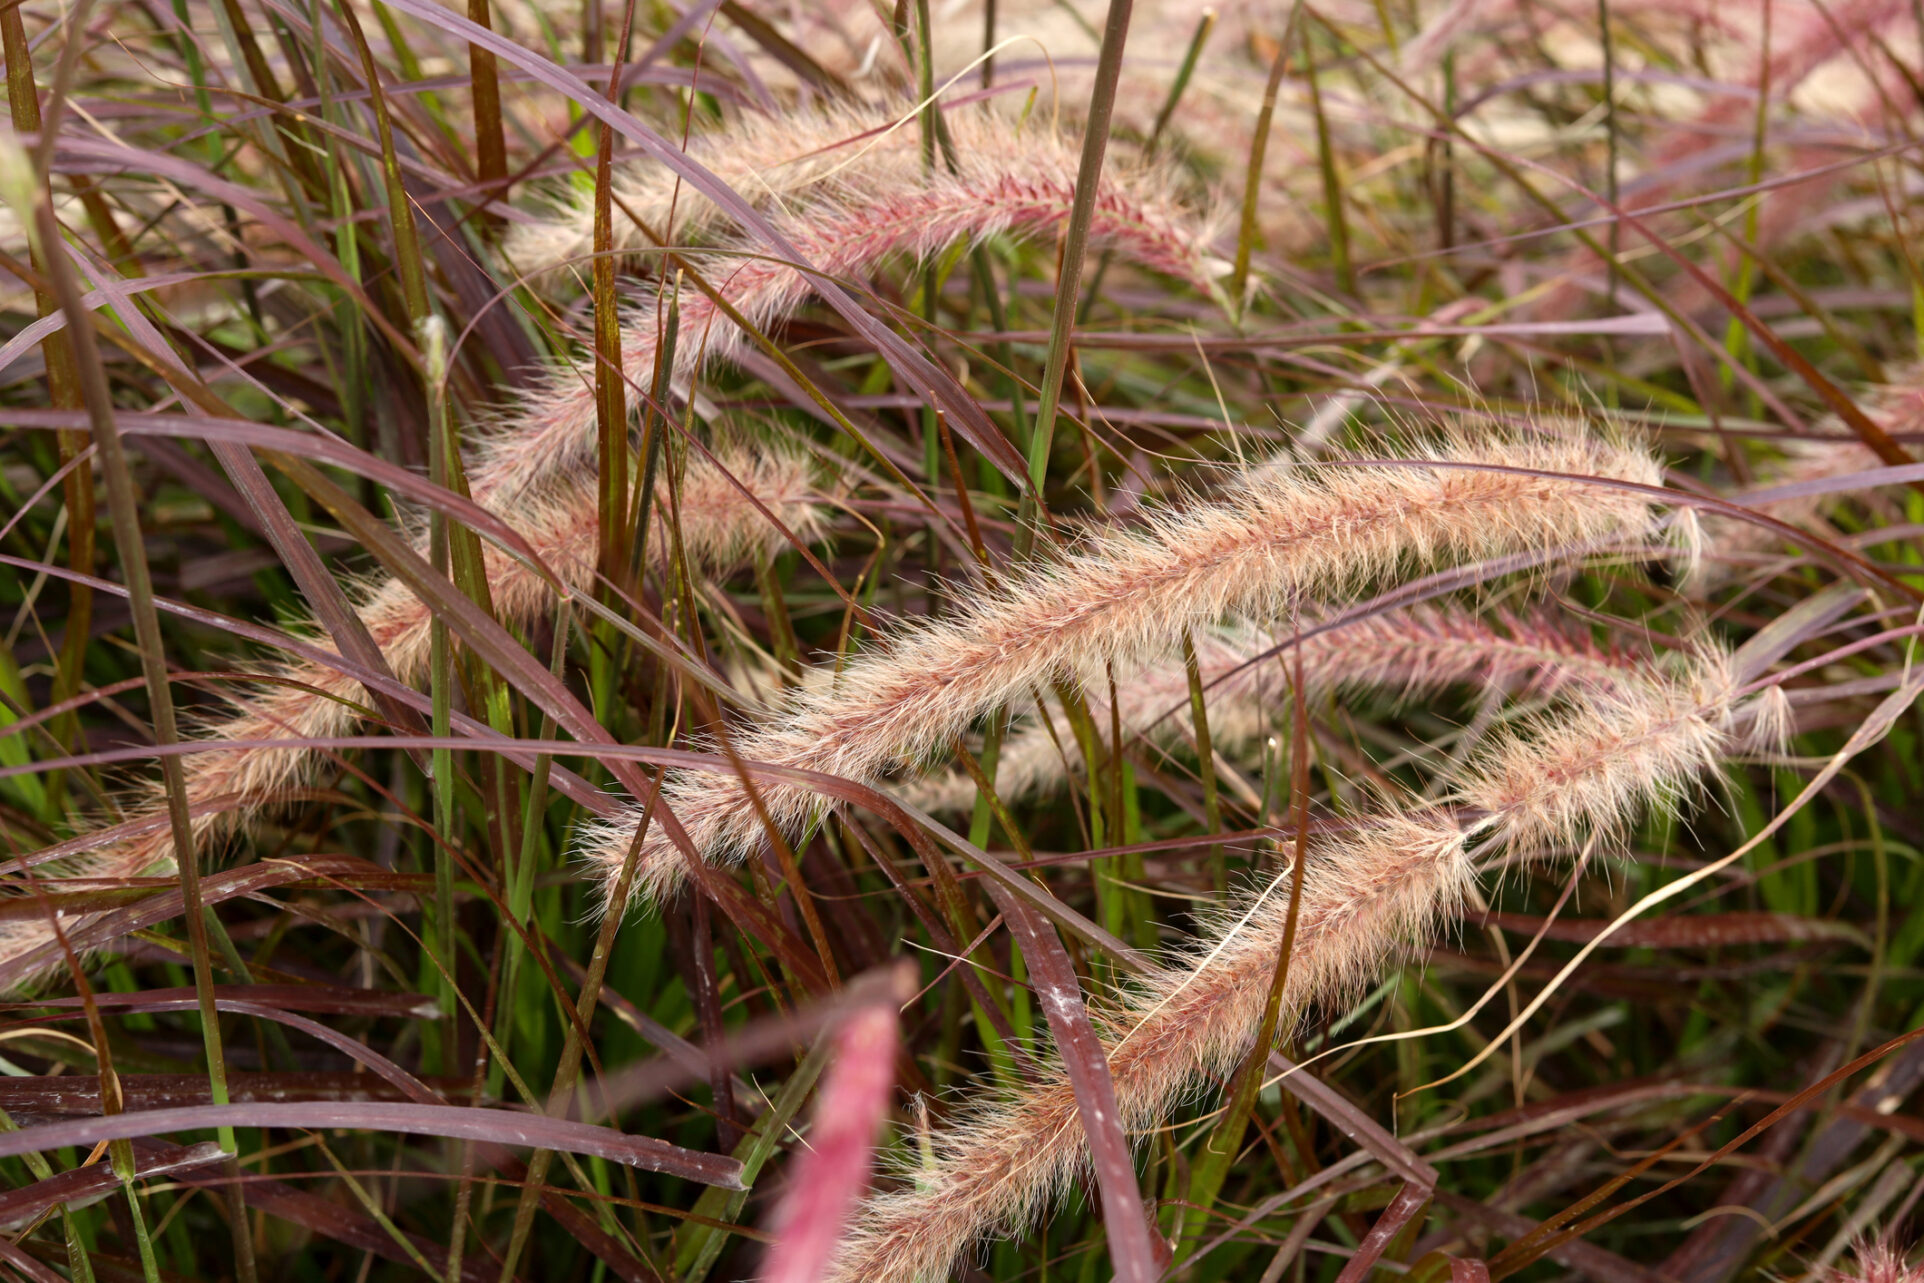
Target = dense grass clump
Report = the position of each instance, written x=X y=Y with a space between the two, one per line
x=1017 y=641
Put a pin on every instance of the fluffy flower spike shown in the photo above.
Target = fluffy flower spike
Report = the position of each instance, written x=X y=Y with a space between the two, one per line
x=1282 y=537
x=847 y=224
x=301 y=699
x=1379 y=888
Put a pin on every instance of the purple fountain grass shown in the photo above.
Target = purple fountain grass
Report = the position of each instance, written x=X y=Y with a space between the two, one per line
x=1804 y=41
x=531 y=469
x=1051 y=47
x=303 y=699
x=1404 y=654
x=1019 y=183
x=1368 y=893
x=1279 y=538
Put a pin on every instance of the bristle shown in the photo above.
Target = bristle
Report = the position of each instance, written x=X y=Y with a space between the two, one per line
x=1772 y=721
x=1286 y=536
x=1877 y=1262
x=1599 y=765
x=1400 y=656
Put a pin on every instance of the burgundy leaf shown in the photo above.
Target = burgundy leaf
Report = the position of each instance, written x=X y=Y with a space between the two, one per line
x=527 y=1131
x=83 y=1184
x=1080 y=1047
x=1408 y=1203
x=834 y=1170
x=1689 y=931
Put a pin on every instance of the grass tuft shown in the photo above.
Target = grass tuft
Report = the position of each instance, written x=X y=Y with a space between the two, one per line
x=524 y=528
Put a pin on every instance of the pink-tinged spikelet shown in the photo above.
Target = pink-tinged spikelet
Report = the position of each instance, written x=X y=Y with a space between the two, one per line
x=833 y=1173
x=1010 y=1158
x=1282 y=537
x=303 y=699
x=770 y=161
x=1593 y=766
x=1400 y=655
x=1878 y=1262
x=1009 y=182
x=1367 y=894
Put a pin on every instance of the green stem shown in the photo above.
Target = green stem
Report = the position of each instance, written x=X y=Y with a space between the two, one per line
x=1095 y=142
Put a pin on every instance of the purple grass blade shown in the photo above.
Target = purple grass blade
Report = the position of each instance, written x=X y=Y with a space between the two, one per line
x=940 y=388
x=316 y=1214
x=1474 y=1270
x=315 y=446
x=1123 y=1214
x=500 y=1127
x=1408 y=1203
x=834 y=1171
x=20 y=1206
x=335 y=1000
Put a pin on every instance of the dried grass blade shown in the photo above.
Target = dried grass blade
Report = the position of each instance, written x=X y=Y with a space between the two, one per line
x=1587 y=1259
x=1867 y=429
x=1550 y=1235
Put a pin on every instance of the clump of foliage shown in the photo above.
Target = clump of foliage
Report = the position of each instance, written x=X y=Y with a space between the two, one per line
x=1030 y=641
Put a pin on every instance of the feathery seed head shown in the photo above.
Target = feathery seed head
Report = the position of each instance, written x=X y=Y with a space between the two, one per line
x=1771 y=720
x=881 y=206
x=1877 y=1262
x=1637 y=746
x=1281 y=538
x=1399 y=656
x=722 y=521
x=1366 y=893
